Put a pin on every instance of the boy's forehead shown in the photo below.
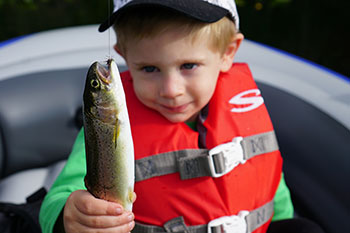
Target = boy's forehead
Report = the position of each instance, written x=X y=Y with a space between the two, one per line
x=166 y=48
x=208 y=11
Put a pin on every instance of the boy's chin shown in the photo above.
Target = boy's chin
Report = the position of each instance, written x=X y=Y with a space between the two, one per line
x=176 y=118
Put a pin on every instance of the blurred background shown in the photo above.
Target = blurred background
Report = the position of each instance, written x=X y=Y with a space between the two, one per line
x=317 y=30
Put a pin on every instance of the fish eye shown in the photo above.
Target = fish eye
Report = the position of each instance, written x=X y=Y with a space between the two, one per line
x=94 y=83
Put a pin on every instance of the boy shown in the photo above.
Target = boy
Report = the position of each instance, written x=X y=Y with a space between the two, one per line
x=183 y=93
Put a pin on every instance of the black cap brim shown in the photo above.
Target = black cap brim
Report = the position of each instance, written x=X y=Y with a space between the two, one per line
x=200 y=10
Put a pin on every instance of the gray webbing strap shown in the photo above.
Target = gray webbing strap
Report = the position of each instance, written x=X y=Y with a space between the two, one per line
x=192 y=163
x=259 y=216
x=174 y=225
x=254 y=219
x=259 y=144
x=171 y=162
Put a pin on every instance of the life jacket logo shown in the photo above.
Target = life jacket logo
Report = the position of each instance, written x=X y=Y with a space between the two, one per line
x=246 y=101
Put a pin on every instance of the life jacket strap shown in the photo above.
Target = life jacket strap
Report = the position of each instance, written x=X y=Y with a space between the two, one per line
x=243 y=222
x=218 y=161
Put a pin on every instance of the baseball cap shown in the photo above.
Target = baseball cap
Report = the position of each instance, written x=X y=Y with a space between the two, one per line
x=208 y=11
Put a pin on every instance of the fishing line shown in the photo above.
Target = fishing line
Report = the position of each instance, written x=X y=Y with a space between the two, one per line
x=109 y=29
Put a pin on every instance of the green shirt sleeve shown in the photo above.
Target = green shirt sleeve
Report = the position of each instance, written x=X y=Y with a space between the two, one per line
x=283 y=207
x=70 y=179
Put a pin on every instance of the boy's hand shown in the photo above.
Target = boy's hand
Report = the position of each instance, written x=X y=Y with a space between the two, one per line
x=85 y=213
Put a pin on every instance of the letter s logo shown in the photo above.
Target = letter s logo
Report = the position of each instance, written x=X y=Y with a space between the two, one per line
x=247 y=103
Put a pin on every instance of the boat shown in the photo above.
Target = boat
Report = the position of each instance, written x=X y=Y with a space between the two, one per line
x=41 y=84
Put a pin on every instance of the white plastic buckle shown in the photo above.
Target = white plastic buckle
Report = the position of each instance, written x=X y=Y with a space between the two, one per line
x=230 y=224
x=233 y=155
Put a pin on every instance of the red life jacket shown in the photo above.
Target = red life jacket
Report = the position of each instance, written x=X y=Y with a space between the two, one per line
x=236 y=109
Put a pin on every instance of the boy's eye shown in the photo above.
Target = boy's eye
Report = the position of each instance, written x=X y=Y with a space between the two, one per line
x=149 y=69
x=188 y=66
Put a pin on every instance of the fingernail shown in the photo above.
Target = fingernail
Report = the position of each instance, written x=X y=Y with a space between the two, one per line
x=131 y=224
x=118 y=210
x=130 y=217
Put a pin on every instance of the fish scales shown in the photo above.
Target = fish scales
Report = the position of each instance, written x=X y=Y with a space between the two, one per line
x=108 y=140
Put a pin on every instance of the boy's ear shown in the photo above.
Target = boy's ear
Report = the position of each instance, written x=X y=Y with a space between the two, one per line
x=229 y=54
x=117 y=50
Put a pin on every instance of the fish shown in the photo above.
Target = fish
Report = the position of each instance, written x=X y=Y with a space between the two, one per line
x=109 y=146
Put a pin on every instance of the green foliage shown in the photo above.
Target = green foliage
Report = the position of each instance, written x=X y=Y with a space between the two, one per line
x=28 y=4
x=243 y=3
x=314 y=29
x=20 y=17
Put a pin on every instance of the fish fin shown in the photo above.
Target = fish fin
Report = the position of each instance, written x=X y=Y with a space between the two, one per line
x=131 y=195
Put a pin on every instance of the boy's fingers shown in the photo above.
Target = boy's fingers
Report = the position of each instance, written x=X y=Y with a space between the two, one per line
x=123 y=228
x=89 y=205
x=104 y=221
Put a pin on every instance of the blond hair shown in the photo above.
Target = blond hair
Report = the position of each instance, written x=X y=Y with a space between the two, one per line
x=147 y=23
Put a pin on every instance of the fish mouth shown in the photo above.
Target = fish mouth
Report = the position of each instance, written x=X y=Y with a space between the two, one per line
x=103 y=73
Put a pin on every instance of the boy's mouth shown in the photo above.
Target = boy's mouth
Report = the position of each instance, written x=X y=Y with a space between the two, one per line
x=176 y=109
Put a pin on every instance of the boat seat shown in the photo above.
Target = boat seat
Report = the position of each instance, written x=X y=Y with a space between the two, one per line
x=316 y=154
x=40 y=116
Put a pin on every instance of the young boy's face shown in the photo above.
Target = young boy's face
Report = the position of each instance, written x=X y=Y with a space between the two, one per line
x=173 y=75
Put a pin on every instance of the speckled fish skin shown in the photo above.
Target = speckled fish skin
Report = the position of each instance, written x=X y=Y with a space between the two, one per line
x=108 y=141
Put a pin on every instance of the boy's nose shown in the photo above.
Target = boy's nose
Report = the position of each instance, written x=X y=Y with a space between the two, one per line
x=172 y=86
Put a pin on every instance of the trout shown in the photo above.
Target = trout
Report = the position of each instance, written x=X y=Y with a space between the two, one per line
x=108 y=140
